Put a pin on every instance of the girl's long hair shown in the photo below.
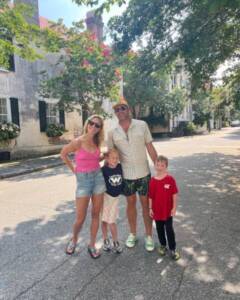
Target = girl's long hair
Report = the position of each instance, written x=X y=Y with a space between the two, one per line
x=99 y=137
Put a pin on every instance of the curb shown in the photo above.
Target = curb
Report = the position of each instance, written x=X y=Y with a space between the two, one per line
x=28 y=171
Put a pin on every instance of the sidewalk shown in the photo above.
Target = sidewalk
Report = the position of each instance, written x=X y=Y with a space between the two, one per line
x=16 y=168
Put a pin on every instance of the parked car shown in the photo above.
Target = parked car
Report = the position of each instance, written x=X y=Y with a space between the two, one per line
x=235 y=123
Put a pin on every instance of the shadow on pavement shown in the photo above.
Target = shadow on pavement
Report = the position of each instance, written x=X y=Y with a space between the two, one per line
x=33 y=264
x=59 y=170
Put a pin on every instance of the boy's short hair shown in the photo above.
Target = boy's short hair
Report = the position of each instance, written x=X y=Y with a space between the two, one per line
x=163 y=158
x=112 y=150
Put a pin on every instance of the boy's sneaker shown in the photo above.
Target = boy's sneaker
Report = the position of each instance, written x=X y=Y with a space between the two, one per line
x=149 y=243
x=175 y=255
x=117 y=248
x=162 y=250
x=106 y=245
x=131 y=240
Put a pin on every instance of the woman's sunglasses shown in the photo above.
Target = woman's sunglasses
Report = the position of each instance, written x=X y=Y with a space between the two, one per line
x=96 y=125
x=120 y=108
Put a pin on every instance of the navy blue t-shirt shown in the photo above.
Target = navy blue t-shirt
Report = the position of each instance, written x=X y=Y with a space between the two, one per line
x=113 y=179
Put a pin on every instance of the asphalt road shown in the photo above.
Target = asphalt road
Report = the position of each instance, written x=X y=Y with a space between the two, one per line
x=37 y=211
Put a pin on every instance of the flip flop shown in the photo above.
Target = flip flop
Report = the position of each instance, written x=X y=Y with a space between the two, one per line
x=70 y=249
x=94 y=253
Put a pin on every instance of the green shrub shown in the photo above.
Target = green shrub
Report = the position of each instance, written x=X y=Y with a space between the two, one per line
x=184 y=128
x=54 y=130
x=189 y=129
x=8 y=131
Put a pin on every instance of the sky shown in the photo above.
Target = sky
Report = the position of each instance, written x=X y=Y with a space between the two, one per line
x=70 y=12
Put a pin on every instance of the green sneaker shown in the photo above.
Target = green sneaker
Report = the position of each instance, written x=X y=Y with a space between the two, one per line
x=175 y=255
x=149 y=243
x=131 y=240
x=162 y=250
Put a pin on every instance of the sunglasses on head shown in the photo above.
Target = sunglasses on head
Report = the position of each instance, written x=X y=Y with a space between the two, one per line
x=96 y=125
x=121 y=108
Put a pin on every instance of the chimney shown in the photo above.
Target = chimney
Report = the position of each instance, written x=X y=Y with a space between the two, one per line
x=34 y=3
x=95 y=25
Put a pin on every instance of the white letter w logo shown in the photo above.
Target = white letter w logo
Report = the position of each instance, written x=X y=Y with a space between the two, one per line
x=115 y=180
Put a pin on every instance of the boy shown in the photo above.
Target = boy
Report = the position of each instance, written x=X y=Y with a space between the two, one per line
x=162 y=206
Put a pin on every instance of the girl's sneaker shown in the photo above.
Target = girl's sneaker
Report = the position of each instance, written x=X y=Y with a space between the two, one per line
x=117 y=248
x=175 y=255
x=106 y=245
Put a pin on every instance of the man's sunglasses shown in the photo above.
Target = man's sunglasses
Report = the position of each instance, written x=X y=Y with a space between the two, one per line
x=96 y=125
x=120 y=108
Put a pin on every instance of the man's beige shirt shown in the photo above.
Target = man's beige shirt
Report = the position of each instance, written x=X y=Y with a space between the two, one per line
x=132 y=148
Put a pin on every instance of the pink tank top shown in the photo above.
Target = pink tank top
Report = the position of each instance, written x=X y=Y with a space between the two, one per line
x=87 y=161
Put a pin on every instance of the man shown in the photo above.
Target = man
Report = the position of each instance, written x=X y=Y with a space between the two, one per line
x=132 y=138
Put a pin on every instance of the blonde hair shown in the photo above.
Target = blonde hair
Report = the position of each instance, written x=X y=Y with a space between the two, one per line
x=110 y=151
x=163 y=159
x=98 y=137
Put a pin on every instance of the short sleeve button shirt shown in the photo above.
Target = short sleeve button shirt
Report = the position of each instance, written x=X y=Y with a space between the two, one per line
x=132 y=148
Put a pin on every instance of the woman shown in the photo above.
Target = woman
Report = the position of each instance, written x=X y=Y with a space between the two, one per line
x=90 y=181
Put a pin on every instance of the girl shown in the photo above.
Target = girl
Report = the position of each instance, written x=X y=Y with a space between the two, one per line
x=90 y=181
x=112 y=172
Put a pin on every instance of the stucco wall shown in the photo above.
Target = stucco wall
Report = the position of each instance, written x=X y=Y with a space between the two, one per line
x=23 y=84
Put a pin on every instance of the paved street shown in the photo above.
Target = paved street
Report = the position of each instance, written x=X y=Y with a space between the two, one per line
x=37 y=212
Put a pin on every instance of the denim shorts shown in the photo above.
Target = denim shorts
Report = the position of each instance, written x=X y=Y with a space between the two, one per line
x=91 y=183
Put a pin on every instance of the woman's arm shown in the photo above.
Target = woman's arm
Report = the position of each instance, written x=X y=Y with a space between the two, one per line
x=69 y=148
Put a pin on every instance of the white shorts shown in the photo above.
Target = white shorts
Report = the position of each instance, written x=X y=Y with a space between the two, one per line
x=110 y=209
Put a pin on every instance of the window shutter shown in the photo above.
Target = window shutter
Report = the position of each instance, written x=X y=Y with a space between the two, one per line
x=42 y=115
x=62 y=117
x=11 y=63
x=14 y=111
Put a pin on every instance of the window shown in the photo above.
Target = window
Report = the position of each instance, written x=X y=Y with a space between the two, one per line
x=3 y=110
x=49 y=113
x=52 y=114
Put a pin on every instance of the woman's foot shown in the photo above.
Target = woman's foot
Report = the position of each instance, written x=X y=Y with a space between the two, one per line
x=71 y=246
x=94 y=253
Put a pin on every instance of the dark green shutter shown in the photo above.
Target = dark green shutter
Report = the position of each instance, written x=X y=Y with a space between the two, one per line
x=14 y=111
x=62 y=117
x=42 y=115
x=11 y=63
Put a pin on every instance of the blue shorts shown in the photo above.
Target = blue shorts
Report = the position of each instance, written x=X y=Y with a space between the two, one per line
x=91 y=183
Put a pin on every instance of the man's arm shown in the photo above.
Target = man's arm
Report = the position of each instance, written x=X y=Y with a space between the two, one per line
x=152 y=151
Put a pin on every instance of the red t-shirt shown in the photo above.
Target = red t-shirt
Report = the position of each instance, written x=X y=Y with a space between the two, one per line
x=161 y=192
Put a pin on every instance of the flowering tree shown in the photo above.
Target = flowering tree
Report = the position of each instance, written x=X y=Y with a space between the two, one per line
x=86 y=73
